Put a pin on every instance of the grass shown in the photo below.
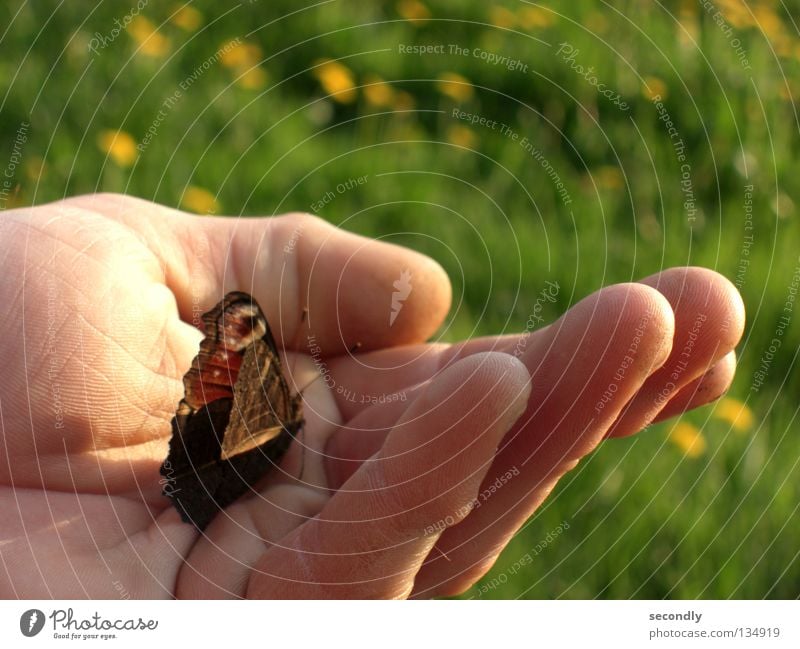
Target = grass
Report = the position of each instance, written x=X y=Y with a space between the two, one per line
x=259 y=132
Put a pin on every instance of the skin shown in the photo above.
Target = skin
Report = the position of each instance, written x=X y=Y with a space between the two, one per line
x=374 y=500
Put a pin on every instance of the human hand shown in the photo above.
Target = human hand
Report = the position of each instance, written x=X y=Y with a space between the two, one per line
x=99 y=292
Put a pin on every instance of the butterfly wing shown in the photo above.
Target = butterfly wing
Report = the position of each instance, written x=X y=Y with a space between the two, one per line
x=261 y=402
x=221 y=447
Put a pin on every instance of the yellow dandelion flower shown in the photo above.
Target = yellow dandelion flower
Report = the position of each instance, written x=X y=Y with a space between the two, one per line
x=688 y=9
x=140 y=28
x=735 y=13
x=404 y=100
x=688 y=439
x=336 y=80
x=119 y=146
x=782 y=205
x=654 y=87
x=377 y=92
x=12 y=200
x=237 y=55
x=688 y=32
x=78 y=47
x=609 y=177
x=455 y=86
x=151 y=42
x=596 y=22
x=35 y=168
x=156 y=46
x=253 y=79
x=413 y=11
x=535 y=17
x=187 y=18
x=199 y=200
x=462 y=136
x=737 y=414
x=784 y=45
x=769 y=22
x=502 y=17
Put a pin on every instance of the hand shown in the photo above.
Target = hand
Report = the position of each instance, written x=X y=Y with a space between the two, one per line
x=99 y=295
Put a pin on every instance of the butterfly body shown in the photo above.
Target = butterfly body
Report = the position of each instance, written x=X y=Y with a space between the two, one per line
x=237 y=418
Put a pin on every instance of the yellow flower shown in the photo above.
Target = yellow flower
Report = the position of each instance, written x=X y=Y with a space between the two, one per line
x=783 y=44
x=455 y=86
x=377 y=92
x=150 y=41
x=187 y=18
x=35 y=168
x=413 y=11
x=199 y=200
x=462 y=136
x=769 y=22
x=236 y=54
x=688 y=31
x=502 y=17
x=654 y=87
x=119 y=146
x=609 y=177
x=782 y=205
x=735 y=13
x=13 y=199
x=253 y=79
x=688 y=438
x=404 y=100
x=337 y=80
x=244 y=58
x=596 y=22
x=532 y=17
x=688 y=9
x=737 y=414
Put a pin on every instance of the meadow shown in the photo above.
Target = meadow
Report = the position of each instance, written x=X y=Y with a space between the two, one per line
x=516 y=143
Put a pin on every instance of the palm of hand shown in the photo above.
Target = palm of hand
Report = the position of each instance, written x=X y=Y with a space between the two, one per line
x=95 y=351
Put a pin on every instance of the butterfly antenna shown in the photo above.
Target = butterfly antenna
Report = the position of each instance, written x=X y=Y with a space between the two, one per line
x=296 y=341
x=302 y=456
x=309 y=384
x=295 y=347
x=302 y=390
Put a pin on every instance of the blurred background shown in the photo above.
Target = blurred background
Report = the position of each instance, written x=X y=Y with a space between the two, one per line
x=518 y=145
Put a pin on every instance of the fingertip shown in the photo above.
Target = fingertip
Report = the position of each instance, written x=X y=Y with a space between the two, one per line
x=695 y=291
x=444 y=443
x=733 y=316
x=709 y=315
x=468 y=381
x=440 y=295
x=653 y=303
x=629 y=313
x=703 y=390
x=361 y=290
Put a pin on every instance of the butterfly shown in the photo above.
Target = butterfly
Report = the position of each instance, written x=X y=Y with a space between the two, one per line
x=237 y=417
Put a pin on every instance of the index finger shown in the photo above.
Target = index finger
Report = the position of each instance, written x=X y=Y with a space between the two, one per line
x=357 y=291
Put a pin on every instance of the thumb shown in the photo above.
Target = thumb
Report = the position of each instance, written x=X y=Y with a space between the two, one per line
x=372 y=536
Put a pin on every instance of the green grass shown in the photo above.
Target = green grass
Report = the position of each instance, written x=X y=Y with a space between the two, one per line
x=645 y=521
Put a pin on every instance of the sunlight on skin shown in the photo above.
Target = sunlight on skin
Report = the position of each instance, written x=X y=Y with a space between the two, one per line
x=115 y=282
